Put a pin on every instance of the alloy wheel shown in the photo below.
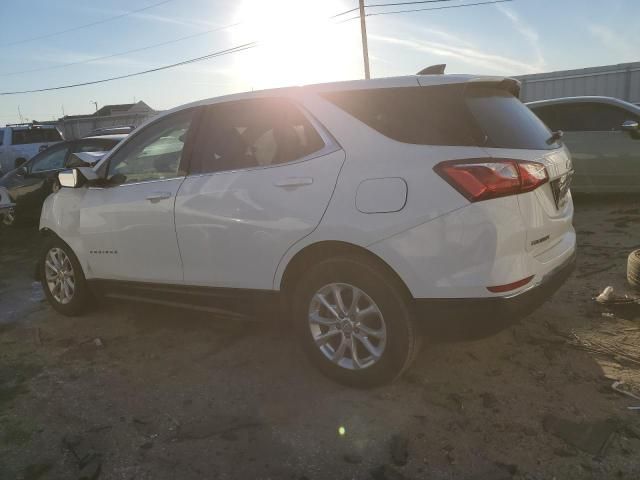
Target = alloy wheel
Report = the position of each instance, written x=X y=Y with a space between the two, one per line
x=59 y=275
x=347 y=326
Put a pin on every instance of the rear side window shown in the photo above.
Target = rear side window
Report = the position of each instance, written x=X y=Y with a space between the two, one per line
x=418 y=115
x=455 y=115
x=253 y=133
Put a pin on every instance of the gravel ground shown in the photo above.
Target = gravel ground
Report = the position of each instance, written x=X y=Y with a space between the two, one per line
x=132 y=392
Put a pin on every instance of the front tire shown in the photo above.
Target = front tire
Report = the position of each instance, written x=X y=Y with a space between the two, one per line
x=62 y=278
x=354 y=322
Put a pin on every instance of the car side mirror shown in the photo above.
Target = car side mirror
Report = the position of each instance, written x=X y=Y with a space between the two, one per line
x=632 y=127
x=22 y=171
x=70 y=178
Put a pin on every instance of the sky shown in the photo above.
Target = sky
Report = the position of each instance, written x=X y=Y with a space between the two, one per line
x=298 y=44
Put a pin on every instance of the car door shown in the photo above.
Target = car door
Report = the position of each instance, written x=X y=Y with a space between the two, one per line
x=128 y=224
x=262 y=174
x=605 y=158
x=34 y=182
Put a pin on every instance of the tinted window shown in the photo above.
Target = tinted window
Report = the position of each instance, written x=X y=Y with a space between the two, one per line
x=589 y=117
x=418 y=115
x=506 y=121
x=446 y=115
x=155 y=153
x=50 y=159
x=35 y=135
x=548 y=117
x=1 y=136
x=253 y=133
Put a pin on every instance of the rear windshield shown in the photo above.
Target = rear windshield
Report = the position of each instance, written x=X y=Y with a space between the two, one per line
x=456 y=115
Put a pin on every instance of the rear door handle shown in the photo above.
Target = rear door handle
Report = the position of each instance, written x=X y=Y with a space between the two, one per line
x=157 y=196
x=294 y=182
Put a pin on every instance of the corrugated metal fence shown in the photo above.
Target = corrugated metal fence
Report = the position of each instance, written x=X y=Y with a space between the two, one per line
x=620 y=81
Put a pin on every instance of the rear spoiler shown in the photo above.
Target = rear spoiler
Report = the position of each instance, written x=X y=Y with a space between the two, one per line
x=510 y=85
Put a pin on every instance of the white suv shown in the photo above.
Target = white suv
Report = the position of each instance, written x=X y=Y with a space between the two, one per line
x=370 y=207
x=18 y=143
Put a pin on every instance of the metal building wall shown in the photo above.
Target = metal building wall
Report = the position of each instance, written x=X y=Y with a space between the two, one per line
x=620 y=81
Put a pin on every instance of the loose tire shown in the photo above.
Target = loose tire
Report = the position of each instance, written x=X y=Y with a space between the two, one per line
x=354 y=322
x=62 y=278
x=633 y=268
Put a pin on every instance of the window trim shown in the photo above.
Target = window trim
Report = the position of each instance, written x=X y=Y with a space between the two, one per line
x=331 y=145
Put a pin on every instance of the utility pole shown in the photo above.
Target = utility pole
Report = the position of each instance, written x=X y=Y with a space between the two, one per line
x=20 y=115
x=95 y=103
x=365 y=47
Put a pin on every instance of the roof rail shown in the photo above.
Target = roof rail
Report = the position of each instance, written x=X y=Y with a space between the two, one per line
x=433 y=70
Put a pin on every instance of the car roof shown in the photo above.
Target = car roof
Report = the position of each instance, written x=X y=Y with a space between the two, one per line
x=387 y=82
x=585 y=99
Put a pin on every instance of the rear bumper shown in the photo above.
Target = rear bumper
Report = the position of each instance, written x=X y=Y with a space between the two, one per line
x=484 y=316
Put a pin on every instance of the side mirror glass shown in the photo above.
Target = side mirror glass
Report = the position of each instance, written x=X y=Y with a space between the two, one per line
x=22 y=171
x=69 y=178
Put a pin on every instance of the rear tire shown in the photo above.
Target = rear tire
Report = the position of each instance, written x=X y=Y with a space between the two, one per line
x=633 y=268
x=62 y=278
x=365 y=343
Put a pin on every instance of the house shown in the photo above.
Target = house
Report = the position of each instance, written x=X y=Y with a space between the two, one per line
x=77 y=126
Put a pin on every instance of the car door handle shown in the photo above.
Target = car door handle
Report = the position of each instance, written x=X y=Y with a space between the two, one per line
x=294 y=182
x=157 y=196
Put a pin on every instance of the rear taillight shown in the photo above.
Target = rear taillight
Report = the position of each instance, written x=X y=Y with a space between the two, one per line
x=488 y=178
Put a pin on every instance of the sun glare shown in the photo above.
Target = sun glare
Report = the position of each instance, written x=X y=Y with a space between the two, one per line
x=299 y=43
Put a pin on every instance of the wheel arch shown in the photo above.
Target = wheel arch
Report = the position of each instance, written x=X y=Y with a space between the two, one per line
x=323 y=250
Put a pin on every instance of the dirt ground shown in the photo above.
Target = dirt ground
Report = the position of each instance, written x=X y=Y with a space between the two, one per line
x=132 y=392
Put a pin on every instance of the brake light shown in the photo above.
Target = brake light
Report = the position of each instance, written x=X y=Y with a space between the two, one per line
x=482 y=179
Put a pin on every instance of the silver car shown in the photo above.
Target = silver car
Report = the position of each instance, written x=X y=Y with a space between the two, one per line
x=603 y=137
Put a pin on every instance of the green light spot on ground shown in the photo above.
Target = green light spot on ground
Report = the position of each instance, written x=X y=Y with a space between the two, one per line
x=341 y=431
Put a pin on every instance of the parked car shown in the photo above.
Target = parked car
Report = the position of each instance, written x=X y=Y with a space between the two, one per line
x=28 y=185
x=18 y=143
x=603 y=137
x=368 y=208
x=126 y=129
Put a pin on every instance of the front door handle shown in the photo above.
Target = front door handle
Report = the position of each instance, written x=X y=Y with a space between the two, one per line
x=294 y=182
x=157 y=196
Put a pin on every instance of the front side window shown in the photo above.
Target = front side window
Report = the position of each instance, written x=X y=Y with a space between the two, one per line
x=253 y=133
x=589 y=117
x=155 y=153
x=50 y=159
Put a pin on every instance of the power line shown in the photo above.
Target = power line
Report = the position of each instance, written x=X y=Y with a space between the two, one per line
x=236 y=49
x=432 y=8
x=79 y=27
x=95 y=59
x=343 y=13
x=405 y=3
